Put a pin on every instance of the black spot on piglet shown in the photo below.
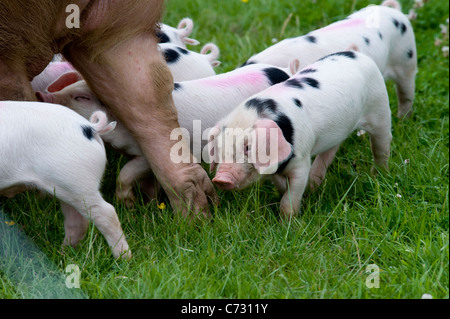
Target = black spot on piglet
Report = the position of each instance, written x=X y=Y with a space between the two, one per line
x=88 y=131
x=410 y=53
x=262 y=106
x=403 y=28
x=311 y=82
x=294 y=83
x=395 y=22
x=286 y=127
x=297 y=102
x=162 y=37
x=176 y=86
x=171 y=56
x=308 y=70
x=275 y=75
x=284 y=163
x=183 y=51
x=311 y=38
x=347 y=54
x=298 y=83
x=246 y=63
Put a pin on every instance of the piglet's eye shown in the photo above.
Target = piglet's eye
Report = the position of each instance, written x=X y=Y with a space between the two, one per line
x=82 y=98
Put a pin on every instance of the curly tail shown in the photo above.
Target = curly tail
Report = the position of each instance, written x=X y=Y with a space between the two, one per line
x=185 y=27
x=213 y=55
x=392 y=4
x=99 y=122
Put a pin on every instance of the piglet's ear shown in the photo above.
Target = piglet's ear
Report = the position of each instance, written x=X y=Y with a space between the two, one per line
x=353 y=47
x=213 y=147
x=294 y=66
x=270 y=148
x=191 y=41
x=64 y=80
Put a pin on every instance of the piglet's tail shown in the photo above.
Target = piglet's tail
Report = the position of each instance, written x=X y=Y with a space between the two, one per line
x=214 y=53
x=99 y=122
x=185 y=28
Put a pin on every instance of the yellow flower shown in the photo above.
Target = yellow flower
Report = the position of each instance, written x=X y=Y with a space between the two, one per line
x=245 y=1
x=162 y=206
x=10 y=223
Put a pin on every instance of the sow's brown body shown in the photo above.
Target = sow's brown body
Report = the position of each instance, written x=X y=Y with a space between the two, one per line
x=115 y=49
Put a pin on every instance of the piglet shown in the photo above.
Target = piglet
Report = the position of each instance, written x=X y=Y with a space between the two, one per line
x=382 y=32
x=275 y=133
x=54 y=149
x=206 y=100
x=188 y=65
x=178 y=35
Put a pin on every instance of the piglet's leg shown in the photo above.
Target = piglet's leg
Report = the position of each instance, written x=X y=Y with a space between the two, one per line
x=75 y=225
x=379 y=128
x=136 y=84
x=297 y=181
x=405 y=85
x=380 y=143
x=280 y=182
x=405 y=94
x=133 y=171
x=320 y=166
x=104 y=217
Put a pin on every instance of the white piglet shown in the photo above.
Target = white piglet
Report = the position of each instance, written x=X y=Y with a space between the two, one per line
x=204 y=100
x=188 y=65
x=276 y=132
x=383 y=33
x=52 y=148
x=178 y=35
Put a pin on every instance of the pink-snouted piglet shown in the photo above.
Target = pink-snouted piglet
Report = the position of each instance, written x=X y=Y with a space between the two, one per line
x=51 y=148
x=275 y=133
x=382 y=32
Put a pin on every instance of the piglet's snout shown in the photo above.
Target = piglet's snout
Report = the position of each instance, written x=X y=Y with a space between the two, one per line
x=225 y=181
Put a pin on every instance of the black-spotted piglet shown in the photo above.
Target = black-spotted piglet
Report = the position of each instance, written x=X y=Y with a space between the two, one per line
x=178 y=35
x=188 y=65
x=54 y=149
x=276 y=132
x=381 y=32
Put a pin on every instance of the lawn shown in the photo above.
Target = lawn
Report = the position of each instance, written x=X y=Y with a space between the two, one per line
x=396 y=223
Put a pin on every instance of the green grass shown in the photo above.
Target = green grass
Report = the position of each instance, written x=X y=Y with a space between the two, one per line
x=397 y=221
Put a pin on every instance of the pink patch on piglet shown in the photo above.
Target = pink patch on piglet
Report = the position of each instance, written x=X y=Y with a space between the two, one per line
x=235 y=80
